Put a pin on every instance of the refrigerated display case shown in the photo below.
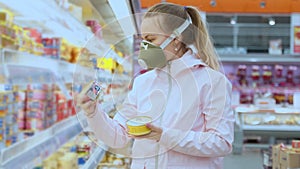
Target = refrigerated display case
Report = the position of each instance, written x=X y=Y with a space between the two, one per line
x=264 y=85
x=24 y=67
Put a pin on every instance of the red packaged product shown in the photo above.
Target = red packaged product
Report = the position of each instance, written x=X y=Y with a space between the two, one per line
x=90 y=23
x=278 y=71
x=267 y=74
x=35 y=114
x=21 y=124
x=296 y=143
x=255 y=75
x=36 y=105
x=35 y=124
x=35 y=34
x=290 y=75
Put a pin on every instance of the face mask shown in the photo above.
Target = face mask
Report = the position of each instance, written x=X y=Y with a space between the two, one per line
x=152 y=56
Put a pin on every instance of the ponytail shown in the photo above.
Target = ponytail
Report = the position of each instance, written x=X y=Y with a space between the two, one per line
x=202 y=41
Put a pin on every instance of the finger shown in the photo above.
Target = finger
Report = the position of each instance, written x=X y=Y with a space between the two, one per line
x=153 y=127
x=148 y=136
x=88 y=105
x=83 y=99
x=86 y=87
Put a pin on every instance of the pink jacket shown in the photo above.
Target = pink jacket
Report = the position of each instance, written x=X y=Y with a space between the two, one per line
x=197 y=122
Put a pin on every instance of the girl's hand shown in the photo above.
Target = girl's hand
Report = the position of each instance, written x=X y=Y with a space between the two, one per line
x=85 y=103
x=155 y=134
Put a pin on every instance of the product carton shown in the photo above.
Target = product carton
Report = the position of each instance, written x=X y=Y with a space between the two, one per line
x=289 y=158
x=275 y=157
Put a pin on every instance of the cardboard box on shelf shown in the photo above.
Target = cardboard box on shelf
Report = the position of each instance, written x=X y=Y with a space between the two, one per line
x=289 y=158
x=275 y=156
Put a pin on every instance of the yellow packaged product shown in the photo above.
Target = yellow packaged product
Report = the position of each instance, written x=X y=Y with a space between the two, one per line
x=137 y=126
x=6 y=16
x=50 y=163
x=68 y=161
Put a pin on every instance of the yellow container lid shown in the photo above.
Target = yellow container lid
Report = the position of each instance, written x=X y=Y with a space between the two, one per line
x=137 y=125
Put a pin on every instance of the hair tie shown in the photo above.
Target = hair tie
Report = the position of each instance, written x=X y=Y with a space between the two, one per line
x=185 y=7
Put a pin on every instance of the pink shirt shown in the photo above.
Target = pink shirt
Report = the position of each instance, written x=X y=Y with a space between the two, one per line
x=197 y=122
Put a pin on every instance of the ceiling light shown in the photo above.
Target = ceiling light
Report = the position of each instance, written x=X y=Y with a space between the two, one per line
x=213 y=3
x=233 y=20
x=272 y=21
x=262 y=4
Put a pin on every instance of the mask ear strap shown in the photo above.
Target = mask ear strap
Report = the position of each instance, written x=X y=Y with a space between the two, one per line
x=176 y=32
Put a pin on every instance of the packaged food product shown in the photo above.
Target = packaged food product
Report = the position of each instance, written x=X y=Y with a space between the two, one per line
x=278 y=71
x=94 y=90
x=255 y=74
x=296 y=143
x=137 y=126
x=35 y=105
x=35 y=124
x=36 y=95
x=267 y=74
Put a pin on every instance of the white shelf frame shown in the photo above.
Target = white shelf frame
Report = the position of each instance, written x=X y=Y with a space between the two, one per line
x=259 y=58
x=281 y=128
x=25 y=153
x=94 y=159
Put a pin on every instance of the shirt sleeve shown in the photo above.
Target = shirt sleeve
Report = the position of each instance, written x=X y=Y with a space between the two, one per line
x=113 y=132
x=217 y=137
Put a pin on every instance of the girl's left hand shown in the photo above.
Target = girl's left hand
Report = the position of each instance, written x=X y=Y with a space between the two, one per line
x=155 y=134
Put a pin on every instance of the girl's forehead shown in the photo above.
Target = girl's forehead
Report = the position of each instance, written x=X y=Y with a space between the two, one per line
x=151 y=26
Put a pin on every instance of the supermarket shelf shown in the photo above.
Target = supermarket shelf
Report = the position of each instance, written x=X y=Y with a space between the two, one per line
x=26 y=153
x=94 y=159
x=104 y=76
x=280 y=128
x=260 y=58
x=51 y=18
x=22 y=59
x=14 y=61
x=55 y=21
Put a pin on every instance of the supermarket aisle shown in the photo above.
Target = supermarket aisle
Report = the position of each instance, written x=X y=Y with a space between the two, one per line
x=250 y=159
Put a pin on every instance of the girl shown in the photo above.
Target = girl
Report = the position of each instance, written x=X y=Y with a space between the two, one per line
x=184 y=93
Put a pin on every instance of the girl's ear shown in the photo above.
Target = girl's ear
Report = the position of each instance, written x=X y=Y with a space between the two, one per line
x=178 y=40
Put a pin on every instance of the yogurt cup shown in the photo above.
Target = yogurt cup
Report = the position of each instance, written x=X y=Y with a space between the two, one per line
x=137 y=125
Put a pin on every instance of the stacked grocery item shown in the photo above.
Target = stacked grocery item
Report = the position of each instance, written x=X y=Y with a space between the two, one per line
x=40 y=111
x=27 y=110
x=113 y=161
x=64 y=106
x=72 y=155
x=7 y=38
x=286 y=156
x=31 y=40
x=255 y=116
x=8 y=116
x=255 y=82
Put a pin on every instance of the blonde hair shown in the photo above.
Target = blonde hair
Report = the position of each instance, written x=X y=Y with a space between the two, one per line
x=196 y=34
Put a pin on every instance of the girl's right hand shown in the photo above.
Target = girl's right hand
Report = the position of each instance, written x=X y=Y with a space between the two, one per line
x=85 y=103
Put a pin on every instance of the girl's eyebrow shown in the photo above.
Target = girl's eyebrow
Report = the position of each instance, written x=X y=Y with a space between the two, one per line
x=148 y=35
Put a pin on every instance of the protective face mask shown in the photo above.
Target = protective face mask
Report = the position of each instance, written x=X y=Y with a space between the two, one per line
x=152 y=56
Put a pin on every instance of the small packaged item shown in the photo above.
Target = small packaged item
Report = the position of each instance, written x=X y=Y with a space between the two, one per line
x=278 y=71
x=255 y=73
x=94 y=91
